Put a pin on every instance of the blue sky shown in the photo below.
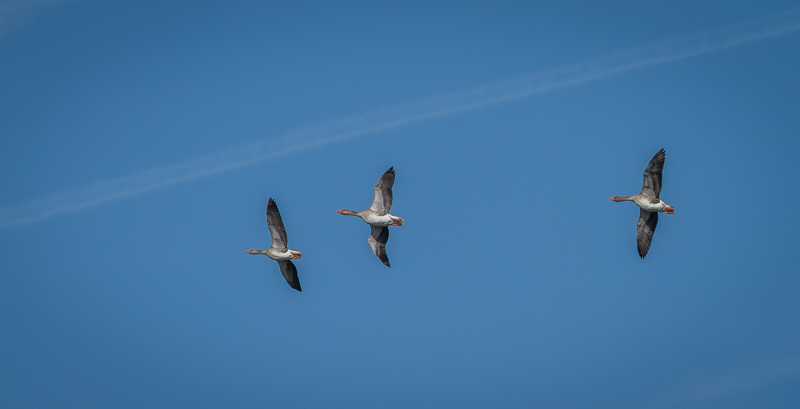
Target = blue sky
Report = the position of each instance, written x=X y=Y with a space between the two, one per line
x=141 y=141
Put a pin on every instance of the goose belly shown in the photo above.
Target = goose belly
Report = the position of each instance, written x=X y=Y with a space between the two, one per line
x=279 y=254
x=376 y=220
x=649 y=206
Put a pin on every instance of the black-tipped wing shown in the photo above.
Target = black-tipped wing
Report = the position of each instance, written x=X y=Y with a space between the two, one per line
x=652 y=175
x=645 y=229
x=382 y=201
x=275 y=224
x=289 y=272
x=377 y=242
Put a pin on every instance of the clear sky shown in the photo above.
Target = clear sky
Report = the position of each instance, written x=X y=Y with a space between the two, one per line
x=142 y=139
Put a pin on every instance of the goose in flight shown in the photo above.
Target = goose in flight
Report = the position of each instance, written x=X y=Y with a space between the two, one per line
x=378 y=216
x=649 y=202
x=278 y=250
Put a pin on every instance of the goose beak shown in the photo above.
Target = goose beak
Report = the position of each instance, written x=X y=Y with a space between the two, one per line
x=248 y=251
x=339 y=211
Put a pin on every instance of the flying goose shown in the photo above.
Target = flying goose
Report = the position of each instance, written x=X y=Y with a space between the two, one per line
x=649 y=202
x=278 y=250
x=378 y=217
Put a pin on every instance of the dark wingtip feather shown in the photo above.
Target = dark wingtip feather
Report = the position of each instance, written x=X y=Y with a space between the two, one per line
x=295 y=284
x=384 y=258
x=642 y=250
x=660 y=156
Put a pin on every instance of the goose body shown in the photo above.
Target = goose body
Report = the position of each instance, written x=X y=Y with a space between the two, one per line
x=278 y=249
x=281 y=254
x=382 y=220
x=649 y=202
x=378 y=216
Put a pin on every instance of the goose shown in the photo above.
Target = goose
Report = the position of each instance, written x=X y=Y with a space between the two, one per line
x=378 y=216
x=649 y=202
x=278 y=250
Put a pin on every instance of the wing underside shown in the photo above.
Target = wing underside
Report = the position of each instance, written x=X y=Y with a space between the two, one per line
x=377 y=242
x=289 y=272
x=651 y=186
x=382 y=199
x=275 y=224
x=645 y=229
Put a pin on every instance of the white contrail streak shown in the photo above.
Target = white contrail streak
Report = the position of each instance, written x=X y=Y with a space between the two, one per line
x=349 y=127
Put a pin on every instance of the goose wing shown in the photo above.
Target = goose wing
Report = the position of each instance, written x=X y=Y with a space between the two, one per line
x=275 y=224
x=652 y=175
x=377 y=242
x=645 y=228
x=382 y=202
x=289 y=272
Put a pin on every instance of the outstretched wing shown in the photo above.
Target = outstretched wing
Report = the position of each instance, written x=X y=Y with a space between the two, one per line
x=645 y=229
x=652 y=175
x=275 y=224
x=382 y=202
x=289 y=272
x=377 y=242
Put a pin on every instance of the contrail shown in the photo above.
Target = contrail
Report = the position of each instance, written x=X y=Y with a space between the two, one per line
x=353 y=126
